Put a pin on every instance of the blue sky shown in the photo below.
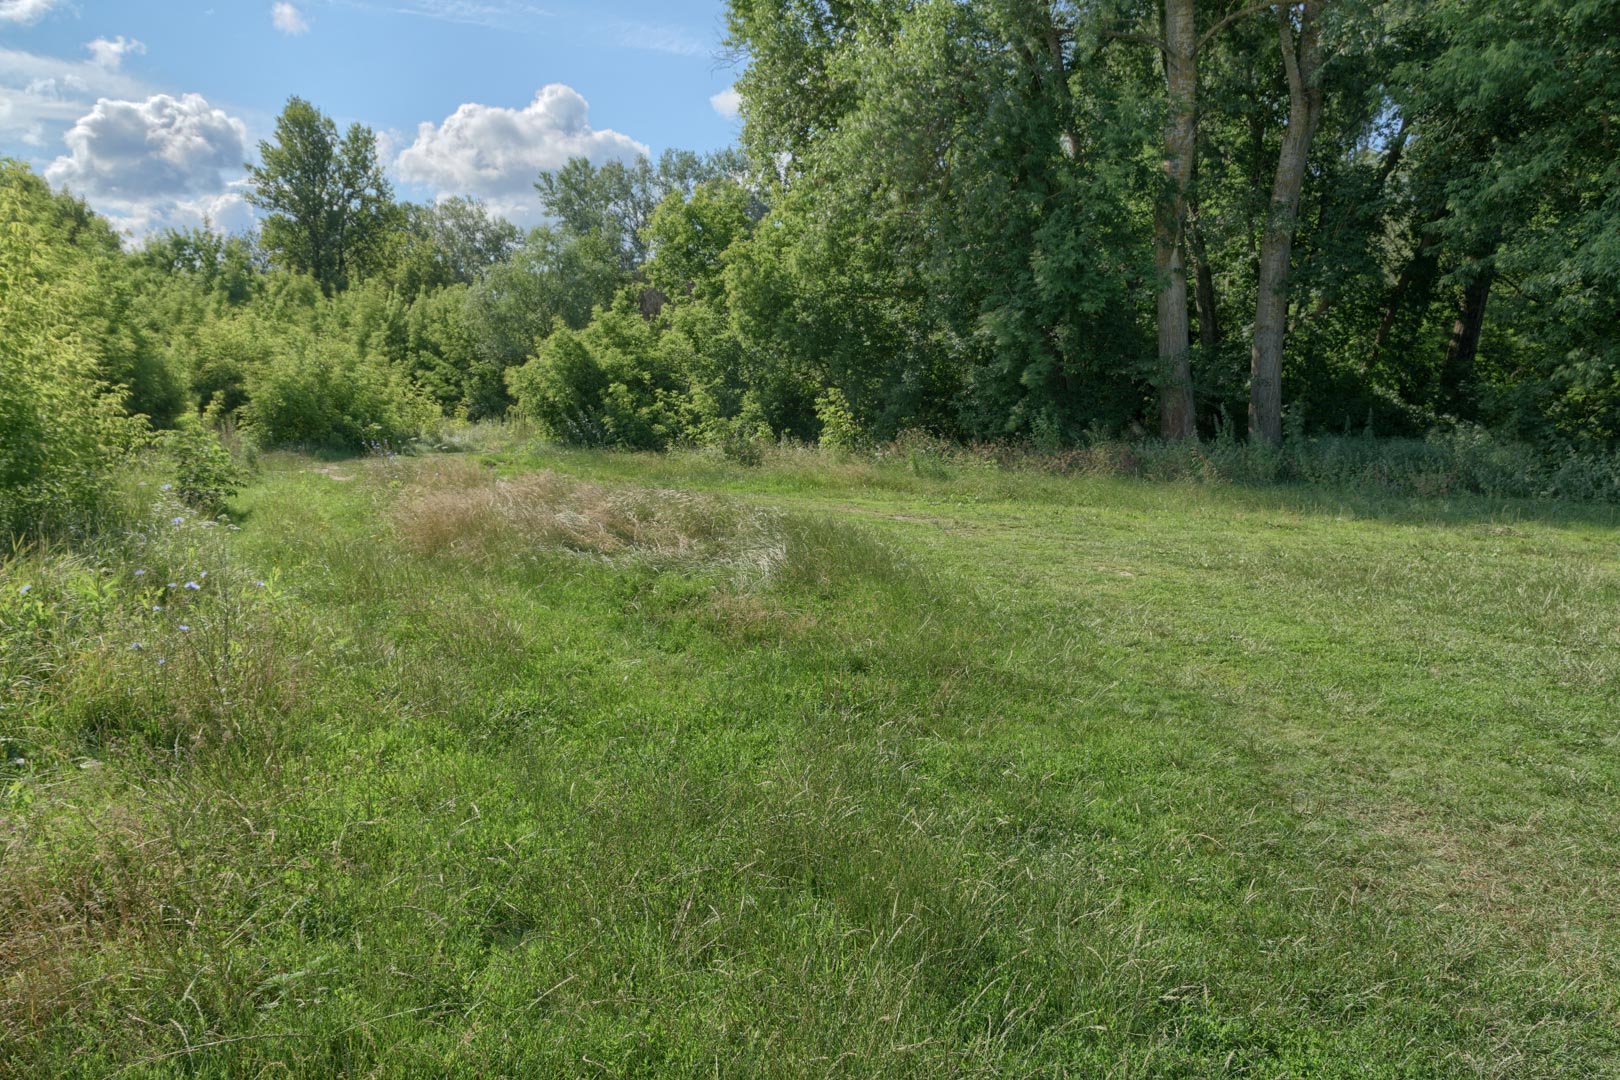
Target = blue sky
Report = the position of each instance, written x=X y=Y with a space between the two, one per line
x=148 y=108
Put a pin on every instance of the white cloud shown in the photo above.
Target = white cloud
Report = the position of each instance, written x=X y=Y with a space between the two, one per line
x=728 y=103
x=162 y=162
x=110 y=54
x=163 y=148
x=288 y=19
x=497 y=153
x=26 y=12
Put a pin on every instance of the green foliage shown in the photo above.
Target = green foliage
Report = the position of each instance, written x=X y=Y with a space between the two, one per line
x=325 y=393
x=605 y=385
x=839 y=429
x=206 y=475
x=331 y=208
x=61 y=427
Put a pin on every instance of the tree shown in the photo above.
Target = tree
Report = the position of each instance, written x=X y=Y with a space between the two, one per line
x=331 y=207
x=1179 y=45
x=1302 y=60
x=615 y=201
x=455 y=241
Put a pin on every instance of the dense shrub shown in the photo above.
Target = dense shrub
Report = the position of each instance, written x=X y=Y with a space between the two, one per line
x=316 y=393
x=605 y=385
x=205 y=473
x=61 y=429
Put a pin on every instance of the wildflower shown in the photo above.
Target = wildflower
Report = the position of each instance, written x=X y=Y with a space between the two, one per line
x=140 y=573
x=177 y=521
x=24 y=590
x=162 y=660
x=157 y=607
x=184 y=629
x=203 y=574
x=193 y=586
x=166 y=487
x=137 y=646
x=258 y=584
x=171 y=584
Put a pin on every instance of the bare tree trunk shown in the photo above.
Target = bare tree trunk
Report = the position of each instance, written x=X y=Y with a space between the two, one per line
x=1177 y=419
x=1303 y=62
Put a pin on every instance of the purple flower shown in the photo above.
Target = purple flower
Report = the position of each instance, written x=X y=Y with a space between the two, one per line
x=24 y=590
x=193 y=586
x=166 y=487
x=162 y=661
x=184 y=629
x=136 y=645
x=259 y=584
x=157 y=607
x=171 y=584
x=140 y=573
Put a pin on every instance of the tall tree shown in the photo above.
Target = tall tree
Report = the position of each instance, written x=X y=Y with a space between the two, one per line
x=331 y=206
x=1179 y=44
x=1302 y=55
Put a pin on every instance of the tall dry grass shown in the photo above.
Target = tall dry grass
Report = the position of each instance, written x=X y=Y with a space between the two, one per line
x=457 y=508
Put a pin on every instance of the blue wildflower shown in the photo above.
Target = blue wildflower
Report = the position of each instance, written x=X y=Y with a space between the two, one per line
x=184 y=629
x=136 y=645
x=24 y=590
x=166 y=487
x=140 y=573
x=177 y=521
x=192 y=585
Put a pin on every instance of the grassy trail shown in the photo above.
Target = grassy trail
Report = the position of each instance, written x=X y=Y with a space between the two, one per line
x=664 y=767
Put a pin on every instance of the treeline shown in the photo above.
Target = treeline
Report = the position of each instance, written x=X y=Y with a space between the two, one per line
x=1034 y=221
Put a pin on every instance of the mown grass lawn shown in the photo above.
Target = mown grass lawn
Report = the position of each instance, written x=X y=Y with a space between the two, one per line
x=566 y=764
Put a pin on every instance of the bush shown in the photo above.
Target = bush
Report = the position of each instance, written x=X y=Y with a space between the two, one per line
x=205 y=473
x=61 y=429
x=605 y=385
x=322 y=394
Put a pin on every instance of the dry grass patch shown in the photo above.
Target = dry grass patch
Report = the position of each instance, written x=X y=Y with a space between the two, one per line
x=460 y=509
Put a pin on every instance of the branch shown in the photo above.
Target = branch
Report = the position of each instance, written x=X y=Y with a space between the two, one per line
x=1140 y=39
x=1222 y=24
x=1296 y=85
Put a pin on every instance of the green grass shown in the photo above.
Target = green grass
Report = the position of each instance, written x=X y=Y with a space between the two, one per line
x=661 y=766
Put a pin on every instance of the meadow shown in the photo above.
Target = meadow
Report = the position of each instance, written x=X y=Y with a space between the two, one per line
x=520 y=761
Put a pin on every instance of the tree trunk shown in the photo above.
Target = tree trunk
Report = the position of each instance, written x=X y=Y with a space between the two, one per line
x=1303 y=62
x=1177 y=419
x=1463 y=350
x=1209 y=326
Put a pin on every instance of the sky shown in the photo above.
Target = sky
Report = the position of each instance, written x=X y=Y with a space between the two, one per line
x=149 y=108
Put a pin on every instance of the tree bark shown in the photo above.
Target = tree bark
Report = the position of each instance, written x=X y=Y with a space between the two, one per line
x=1209 y=326
x=1177 y=416
x=1302 y=60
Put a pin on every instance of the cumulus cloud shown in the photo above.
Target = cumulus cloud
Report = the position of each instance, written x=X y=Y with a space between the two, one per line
x=160 y=148
x=728 y=103
x=288 y=19
x=110 y=54
x=26 y=12
x=496 y=153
